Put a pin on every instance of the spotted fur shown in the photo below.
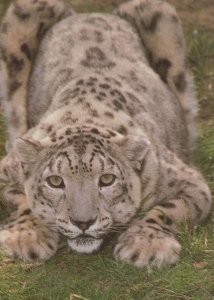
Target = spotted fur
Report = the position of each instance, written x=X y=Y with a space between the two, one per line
x=90 y=95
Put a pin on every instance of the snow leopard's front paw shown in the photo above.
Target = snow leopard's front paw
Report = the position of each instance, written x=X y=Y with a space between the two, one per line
x=145 y=247
x=28 y=239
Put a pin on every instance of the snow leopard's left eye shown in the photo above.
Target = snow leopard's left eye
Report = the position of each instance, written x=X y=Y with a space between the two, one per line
x=55 y=181
x=107 y=180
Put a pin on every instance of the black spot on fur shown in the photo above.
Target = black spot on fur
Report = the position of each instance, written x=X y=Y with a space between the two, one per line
x=14 y=85
x=95 y=53
x=117 y=104
x=180 y=82
x=51 y=12
x=111 y=133
x=187 y=196
x=95 y=131
x=50 y=246
x=68 y=131
x=170 y=170
x=152 y=221
x=165 y=219
x=162 y=67
x=154 y=228
x=98 y=36
x=94 y=113
x=99 y=98
x=104 y=86
x=99 y=22
x=149 y=56
x=122 y=130
x=109 y=115
x=135 y=256
x=49 y=129
x=19 y=13
x=102 y=94
x=80 y=82
x=151 y=259
x=26 y=50
x=119 y=95
x=154 y=22
x=90 y=83
x=95 y=57
x=22 y=221
x=93 y=79
x=198 y=210
x=133 y=98
x=15 y=64
x=26 y=212
x=168 y=205
x=205 y=196
x=171 y=184
x=32 y=255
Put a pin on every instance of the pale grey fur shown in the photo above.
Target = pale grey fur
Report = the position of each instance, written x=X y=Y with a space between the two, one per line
x=103 y=97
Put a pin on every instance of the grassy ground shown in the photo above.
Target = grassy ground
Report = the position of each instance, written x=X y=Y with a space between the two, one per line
x=99 y=277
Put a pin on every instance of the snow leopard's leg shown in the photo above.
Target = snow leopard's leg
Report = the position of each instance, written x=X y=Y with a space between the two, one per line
x=184 y=198
x=161 y=33
x=23 y=234
x=21 y=30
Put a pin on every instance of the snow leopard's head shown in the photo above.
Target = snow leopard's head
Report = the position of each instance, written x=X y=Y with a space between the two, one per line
x=86 y=183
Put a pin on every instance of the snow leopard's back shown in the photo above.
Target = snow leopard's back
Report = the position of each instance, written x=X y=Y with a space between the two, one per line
x=105 y=47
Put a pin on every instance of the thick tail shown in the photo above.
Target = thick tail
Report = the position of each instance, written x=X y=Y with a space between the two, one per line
x=22 y=28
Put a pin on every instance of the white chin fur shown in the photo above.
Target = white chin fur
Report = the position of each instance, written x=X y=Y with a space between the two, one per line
x=85 y=245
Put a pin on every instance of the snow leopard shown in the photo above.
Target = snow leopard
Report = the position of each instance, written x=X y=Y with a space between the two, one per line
x=100 y=117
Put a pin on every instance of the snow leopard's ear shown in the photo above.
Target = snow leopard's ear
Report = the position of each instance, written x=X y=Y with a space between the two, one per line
x=27 y=152
x=135 y=148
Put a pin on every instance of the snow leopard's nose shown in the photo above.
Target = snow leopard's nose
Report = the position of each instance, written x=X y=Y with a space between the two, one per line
x=83 y=225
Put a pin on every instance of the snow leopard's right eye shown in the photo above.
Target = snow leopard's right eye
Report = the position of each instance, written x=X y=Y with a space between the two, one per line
x=107 y=180
x=55 y=181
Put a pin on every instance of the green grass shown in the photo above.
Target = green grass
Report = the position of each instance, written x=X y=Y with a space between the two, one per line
x=201 y=47
x=98 y=277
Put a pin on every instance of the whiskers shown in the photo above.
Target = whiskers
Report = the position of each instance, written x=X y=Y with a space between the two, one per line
x=117 y=228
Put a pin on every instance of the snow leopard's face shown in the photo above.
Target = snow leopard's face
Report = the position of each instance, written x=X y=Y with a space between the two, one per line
x=82 y=186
